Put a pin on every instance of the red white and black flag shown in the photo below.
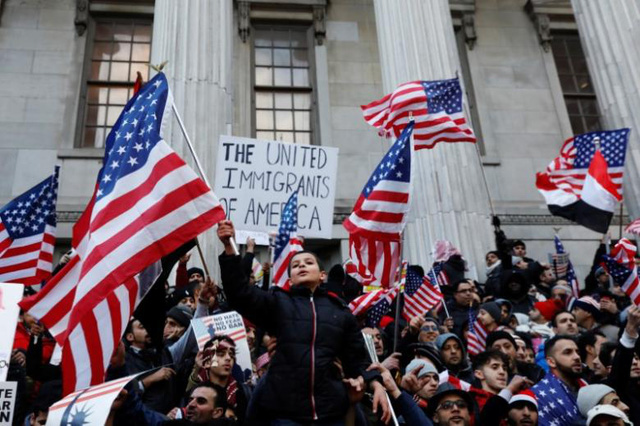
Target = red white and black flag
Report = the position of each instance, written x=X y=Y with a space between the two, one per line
x=584 y=184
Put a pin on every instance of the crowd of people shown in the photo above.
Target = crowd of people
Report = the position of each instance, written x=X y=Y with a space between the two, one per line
x=549 y=359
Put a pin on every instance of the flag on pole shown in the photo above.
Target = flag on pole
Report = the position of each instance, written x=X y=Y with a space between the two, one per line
x=421 y=294
x=287 y=242
x=624 y=252
x=572 y=279
x=625 y=277
x=477 y=338
x=381 y=306
x=28 y=234
x=436 y=107
x=374 y=263
x=584 y=184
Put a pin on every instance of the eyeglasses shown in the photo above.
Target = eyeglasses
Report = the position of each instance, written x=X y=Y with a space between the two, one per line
x=429 y=328
x=448 y=405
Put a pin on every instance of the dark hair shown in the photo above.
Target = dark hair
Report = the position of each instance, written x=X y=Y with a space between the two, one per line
x=588 y=338
x=555 y=317
x=315 y=256
x=456 y=284
x=129 y=328
x=517 y=243
x=220 y=338
x=220 y=398
x=526 y=338
x=417 y=269
x=485 y=357
x=551 y=343
x=606 y=353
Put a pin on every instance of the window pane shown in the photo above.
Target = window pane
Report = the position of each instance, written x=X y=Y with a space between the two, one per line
x=121 y=51
x=558 y=47
x=112 y=115
x=584 y=84
x=262 y=38
x=575 y=48
x=264 y=100
x=284 y=120
x=119 y=71
x=99 y=71
x=141 y=52
x=580 y=66
x=301 y=77
x=142 y=33
x=102 y=115
x=263 y=76
x=298 y=38
x=302 y=101
x=303 y=138
x=264 y=120
x=265 y=135
x=562 y=64
x=300 y=58
x=592 y=124
x=101 y=51
x=263 y=57
x=282 y=77
x=144 y=71
x=284 y=136
x=567 y=84
x=589 y=107
x=280 y=38
x=283 y=100
x=282 y=57
x=118 y=96
x=302 y=120
x=99 y=138
x=104 y=31
x=123 y=32
x=92 y=115
x=89 y=137
x=97 y=95
x=573 y=106
x=576 y=124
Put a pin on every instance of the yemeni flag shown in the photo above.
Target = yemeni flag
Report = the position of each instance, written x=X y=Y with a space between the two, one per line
x=584 y=184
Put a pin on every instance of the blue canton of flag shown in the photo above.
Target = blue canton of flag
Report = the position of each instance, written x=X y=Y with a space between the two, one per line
x=557 y=405
x=443 y=95
x=134 y=135
x=421 y=294
x=613 y=146
x=381 y=307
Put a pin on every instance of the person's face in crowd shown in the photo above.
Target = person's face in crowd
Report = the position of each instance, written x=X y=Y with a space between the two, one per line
x=635 y=367
x=485 y=318
x=431 y=382
x=378 y=343
x=189 y=302
x=535 y=315
x=172 y=329
x=451 y=352
x=546 y=276
x=251 y=337
x=530 y=357
x=558 y=293
x=28 y=319
x=606 y=420
x=506 y=347
x=429 y=332
x=521 y=350
x=493 y=375
x=196 y=276
x=138 y=337
x=612 y=398
x=599 y=370
x=491 y=258
x=603 y=278
x=504 y=312
x=566 y=359
x=39 y=419
x=514 y=286
x=523 y=414
x=519 y=251
x=226 y=357
x=566 y=324
x=451 y=411
x=581 y=315
x=201 y=407
x=305 y=270
x=599 y=341
x=464 y=295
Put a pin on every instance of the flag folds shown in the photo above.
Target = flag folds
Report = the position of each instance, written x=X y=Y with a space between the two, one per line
x=287 y=243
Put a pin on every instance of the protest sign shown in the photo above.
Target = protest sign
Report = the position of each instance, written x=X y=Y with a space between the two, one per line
x=254 y=179
x=7 y=402
x=90 y=406
x=230 y=324
x=10 y=295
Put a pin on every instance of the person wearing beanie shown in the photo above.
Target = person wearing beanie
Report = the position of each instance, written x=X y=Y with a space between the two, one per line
x=184 y=296
x=195 y=274
x=587 y=311
x=454 y=356
x=543 y=312
x=523 y=409
x=177 y=320
x=506 y=343
x=426 y=385
x=591 y=395
x=607 y=415
x=506 y=309
x=561 y=290
x=490 y=316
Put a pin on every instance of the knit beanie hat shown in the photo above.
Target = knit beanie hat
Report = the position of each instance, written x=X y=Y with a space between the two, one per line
x=549 y=308
x=182 y=315
x=492 y=309
x=589 y=396
x=494 y=336
x=525 y=396
x=426 y=367
x=195 y=270
x=588 y=304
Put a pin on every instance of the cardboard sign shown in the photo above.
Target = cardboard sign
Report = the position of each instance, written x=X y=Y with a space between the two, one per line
x=229 y=324
x=7 y=402
x=254 y=179
x=10 y=295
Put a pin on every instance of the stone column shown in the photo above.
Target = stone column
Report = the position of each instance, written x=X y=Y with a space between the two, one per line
x=417 y=42
x=609 y=32
x=196 y=38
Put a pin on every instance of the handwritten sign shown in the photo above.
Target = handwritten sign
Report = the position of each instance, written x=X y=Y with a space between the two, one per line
x=7 y=402
x=254 y=179
x=10 y=295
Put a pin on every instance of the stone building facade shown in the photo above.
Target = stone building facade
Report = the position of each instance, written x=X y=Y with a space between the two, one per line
x=535 y=72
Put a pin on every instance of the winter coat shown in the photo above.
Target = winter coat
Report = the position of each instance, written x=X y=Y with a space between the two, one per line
x=313 y=330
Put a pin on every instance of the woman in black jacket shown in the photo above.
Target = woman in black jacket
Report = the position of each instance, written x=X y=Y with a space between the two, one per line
x=313 y=330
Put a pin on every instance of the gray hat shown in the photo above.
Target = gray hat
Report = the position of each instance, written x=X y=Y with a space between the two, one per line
x=181 y=314
x=608 y=410
x=427 y=367
x=590 y=396
x=442 y=339
x=492 y=309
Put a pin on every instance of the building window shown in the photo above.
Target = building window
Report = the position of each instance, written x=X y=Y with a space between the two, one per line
x=120 y=49
x=283 y=89
x=575 y=81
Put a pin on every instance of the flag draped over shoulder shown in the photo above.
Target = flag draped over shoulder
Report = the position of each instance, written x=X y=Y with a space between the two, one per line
x=436 y=107
x=147 y=203
x=287 y=243
x=28 y=234
x=584 y=184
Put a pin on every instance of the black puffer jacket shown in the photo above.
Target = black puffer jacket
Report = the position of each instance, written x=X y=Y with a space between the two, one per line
x=312 y=332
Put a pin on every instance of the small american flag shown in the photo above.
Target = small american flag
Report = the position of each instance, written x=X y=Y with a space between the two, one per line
x=362 y=303
x=28 y=234
x=571 y=273
x=381 y=307
x=624 y=252
x=287 y=242
x=477 y=338
x=421 y=294
x=436 y=107
x=625 y=277
x=568 y=171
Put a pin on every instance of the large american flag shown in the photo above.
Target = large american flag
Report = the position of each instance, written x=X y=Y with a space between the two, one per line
x=146 y=204
x=436 y=107
x=477 y=337
x=572 y=279
x=568 y=171
x=421 y=294
x=287 y=242
x=28 y=234
x=558 y=405
x=626 y=277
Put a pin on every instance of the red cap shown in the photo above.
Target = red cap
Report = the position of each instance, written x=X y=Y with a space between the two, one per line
x=549 y=308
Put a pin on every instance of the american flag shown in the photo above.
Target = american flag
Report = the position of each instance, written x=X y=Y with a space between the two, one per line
x=558 y=406
x=287 y=242
x=381 y=307
x=572 y=279
x=421 y=294
x=28 y=234
x=477 y=338
x=366 y=301
x=373 y=262
x=633 y=228
x=146 y=204
x=624 y=252
x=568 y=171
x=625 y=277
x=436 y=107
